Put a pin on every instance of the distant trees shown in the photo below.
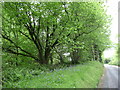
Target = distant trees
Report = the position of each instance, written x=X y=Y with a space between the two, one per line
x=40 y=30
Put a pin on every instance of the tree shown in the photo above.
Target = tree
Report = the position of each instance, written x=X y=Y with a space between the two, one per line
x=38 y=29
x=95 y=33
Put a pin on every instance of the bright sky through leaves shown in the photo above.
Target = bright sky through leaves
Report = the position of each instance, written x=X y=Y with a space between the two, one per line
x=113 y=11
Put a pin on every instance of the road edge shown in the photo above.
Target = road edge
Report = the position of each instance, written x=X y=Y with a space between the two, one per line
x=100 y=84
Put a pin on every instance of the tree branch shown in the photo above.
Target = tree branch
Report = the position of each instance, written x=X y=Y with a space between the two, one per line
x=16 y=45
x=85 y=33
x=38 y=29
x=25 y=35
x=13 y=52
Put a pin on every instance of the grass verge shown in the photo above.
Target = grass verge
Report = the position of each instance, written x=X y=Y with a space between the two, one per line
x=79 y=76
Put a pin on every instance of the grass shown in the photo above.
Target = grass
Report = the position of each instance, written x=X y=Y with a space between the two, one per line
x=79 y=76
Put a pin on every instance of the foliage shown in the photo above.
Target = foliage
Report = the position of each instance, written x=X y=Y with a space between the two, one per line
x=14 y=71
x=36 y=35
x=59 y=78
x=49 y=27
x=116 y=60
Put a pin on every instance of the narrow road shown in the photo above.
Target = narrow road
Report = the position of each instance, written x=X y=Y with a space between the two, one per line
x=110 y=77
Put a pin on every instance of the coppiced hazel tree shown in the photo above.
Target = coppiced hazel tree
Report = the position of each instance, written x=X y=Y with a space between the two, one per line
x=35 y=30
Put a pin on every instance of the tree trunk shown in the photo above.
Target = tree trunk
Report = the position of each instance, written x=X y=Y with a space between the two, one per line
x=51 y=59
x=61 y=58
x=74 y=57
x=96 y=52
x=100 y=54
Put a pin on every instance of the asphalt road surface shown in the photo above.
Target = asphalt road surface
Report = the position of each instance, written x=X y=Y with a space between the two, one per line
x=110 y=77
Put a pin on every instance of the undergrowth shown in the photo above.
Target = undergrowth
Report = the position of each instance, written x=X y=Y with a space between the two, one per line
x=33 y=75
